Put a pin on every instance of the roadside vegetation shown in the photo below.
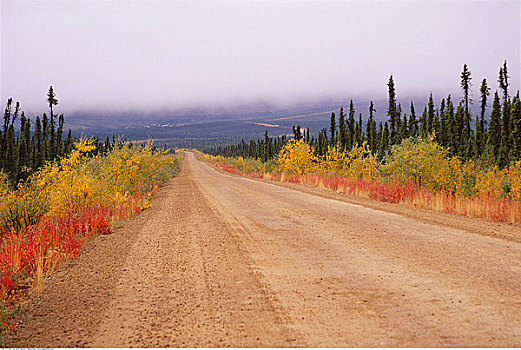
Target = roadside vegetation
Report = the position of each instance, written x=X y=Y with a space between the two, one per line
x=49 y=210
x=444 y=160
x=417 y=172
x=47 y=219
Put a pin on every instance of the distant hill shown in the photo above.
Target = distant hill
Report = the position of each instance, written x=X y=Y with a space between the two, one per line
x=205 y=128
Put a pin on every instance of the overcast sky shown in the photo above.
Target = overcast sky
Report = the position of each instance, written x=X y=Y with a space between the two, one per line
x=166 y=54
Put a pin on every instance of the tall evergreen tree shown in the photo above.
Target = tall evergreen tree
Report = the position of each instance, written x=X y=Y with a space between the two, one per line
x=68 y=144
x=391 y=110
x=51 y=99
x=484 y=93
x=430 y=115
x=494 y=130
x=460 y=135
x=3 y=134
x=506 y=137
x=332 y=128
x=38 y=149
x=341 y=129
x=515 y=116
x=480 y=123
x=465 y=86
x=413 y=122
x=450 y=126
x=10 y=153
x=442 y=124
x=399 y=125
x=59 y=134
x=424 y=123
x=28 y=144
x=384 y=141
x=22 y=144
x=503 y=80
x=266 y=153
x=359 y=134
x=371 y=129
x=351 y=126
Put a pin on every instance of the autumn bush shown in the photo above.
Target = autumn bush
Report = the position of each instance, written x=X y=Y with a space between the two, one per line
x=297 y=158
x=358 y=163
x=422 y=161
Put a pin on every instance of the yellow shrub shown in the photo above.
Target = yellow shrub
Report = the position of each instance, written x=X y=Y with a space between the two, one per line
x=490 y=182
x=334 y=161
x=423 y=161
x=22 y=207
x=514 y=179
x=297 y=158
x=66 y=183
x=361 y=163
x=83 y=180
x=4 y=185
x=463 y=177
x=356 y=163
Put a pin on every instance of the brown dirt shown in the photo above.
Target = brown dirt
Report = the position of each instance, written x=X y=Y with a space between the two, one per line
x=221 y=260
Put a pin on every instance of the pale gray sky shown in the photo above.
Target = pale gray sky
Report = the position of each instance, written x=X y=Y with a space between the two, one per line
x=157 y=54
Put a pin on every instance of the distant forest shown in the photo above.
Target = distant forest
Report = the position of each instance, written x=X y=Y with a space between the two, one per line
x=24 y=151
x=495 y=140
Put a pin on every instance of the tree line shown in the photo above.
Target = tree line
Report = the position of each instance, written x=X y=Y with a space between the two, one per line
x=495 y=140
x=26 y=149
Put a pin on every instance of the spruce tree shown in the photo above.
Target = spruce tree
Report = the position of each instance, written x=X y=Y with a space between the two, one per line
x=59 y=135
x=384 y=142
x=515 y=116
x=413 y=122
x=51 y=99
x=371 y=129
x=359 y=134
x=317 y=143
x=503 y=80
x=460 y=141
x=10 y=154
x=399 y=125
x=252 y=150
x=266 y=151
x=465 y=86
x=506 y=137
x=494 y=130
x=3 y=135
x=28 y=144
x=52 y=138
x=430 y=115
x=39 y=151
x=442 y=124
x=391 y=110
x=450 y=127
x=22 y=144
x=341 y=129
x=351 y=126
x=332 y=128
x=424 y=123
x=480 y=126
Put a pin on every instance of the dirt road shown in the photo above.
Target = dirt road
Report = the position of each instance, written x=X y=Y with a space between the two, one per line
x=221 y=260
